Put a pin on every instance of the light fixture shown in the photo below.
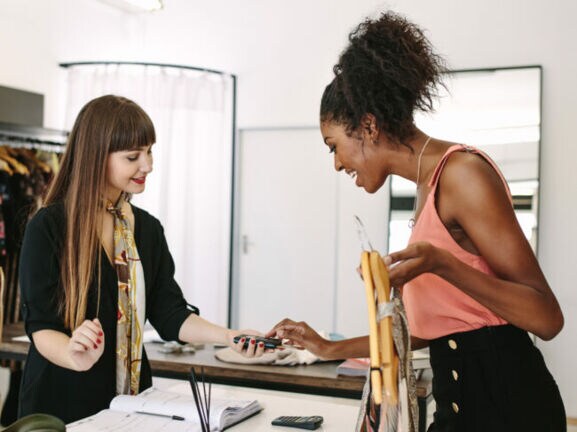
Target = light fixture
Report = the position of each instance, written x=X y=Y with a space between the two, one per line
x=136 y=5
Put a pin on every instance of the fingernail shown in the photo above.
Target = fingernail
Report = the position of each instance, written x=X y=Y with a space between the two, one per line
x=95 y=346
x=242 y=340
x=98 y=341
x=100 y=333
x=252 y=341
x=260 y=344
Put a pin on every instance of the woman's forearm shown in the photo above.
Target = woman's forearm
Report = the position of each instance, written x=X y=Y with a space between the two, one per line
x=347 y=348
x=53 y=345
x=198 y=330
x=533 y=308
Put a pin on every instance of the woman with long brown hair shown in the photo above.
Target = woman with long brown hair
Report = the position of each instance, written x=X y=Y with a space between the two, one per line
x=94 y=267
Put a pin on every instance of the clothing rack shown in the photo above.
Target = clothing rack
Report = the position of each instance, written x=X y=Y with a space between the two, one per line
x=48 y=147
x=19 y=136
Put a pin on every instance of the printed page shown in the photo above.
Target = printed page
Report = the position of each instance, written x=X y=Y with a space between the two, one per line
x=174 y=404
x=108 y=421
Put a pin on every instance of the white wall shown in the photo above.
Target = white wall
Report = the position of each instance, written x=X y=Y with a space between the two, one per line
x=36 y=35
x=282 y=54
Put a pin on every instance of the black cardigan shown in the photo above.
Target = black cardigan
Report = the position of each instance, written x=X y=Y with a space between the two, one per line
x=67 y=394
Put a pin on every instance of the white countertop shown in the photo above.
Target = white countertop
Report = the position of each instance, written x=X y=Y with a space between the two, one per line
x=339 y=414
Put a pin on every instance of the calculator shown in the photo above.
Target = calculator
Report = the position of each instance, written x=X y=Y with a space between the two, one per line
x=302 y=422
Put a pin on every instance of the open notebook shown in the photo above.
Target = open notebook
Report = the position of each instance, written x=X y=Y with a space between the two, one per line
x=158 y=410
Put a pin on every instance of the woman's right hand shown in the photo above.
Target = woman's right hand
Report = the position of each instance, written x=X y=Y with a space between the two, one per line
x=300 y=335
x=86 y=345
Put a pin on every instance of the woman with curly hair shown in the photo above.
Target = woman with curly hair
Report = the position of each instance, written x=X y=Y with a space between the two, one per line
x=471 y=284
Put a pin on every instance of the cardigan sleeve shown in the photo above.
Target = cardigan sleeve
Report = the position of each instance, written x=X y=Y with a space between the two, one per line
x=39 y=272
x=167 y=308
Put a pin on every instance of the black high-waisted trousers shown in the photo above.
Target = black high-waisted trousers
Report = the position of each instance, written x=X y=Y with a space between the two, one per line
x=493 y=380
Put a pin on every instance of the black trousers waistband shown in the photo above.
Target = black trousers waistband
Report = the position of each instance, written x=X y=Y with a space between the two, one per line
x=478 y=340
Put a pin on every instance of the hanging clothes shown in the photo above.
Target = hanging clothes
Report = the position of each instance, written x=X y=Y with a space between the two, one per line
x=24 y=178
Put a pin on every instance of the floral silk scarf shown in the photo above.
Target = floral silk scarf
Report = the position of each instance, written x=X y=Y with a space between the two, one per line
x=131 y=303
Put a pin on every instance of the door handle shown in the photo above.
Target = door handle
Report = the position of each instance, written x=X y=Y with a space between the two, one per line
x=245 y=244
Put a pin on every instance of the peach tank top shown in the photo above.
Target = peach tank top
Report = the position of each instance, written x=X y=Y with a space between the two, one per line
x=435 y=307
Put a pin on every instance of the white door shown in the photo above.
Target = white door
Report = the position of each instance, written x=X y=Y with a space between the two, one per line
x=286 y=200
x=296 y=247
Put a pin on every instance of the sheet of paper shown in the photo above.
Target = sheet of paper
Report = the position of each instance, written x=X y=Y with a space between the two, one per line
x=108 y=420
x=170 y=404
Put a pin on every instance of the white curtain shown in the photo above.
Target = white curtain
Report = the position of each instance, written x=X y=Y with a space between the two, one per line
x=189 y=189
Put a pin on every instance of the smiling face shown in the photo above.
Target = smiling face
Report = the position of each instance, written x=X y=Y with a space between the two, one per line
x=356 y=154
x=127 y=171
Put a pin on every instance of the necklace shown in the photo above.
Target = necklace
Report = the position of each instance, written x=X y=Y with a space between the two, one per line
x=412 y=220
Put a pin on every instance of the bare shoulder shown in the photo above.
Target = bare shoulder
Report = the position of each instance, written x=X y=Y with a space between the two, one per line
x=470 y=186
x=465 y=172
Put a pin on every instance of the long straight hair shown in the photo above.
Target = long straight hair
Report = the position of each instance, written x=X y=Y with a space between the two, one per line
x=104 y=125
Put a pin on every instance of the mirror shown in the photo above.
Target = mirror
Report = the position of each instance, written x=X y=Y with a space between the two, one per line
x=497 y=111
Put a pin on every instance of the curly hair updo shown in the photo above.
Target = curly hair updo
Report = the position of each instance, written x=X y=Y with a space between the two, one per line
x=389 y=70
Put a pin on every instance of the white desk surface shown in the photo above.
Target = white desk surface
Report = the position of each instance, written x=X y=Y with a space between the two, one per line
x=339 y=414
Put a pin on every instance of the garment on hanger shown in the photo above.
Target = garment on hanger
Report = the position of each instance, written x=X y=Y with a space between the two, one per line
x=24 y=177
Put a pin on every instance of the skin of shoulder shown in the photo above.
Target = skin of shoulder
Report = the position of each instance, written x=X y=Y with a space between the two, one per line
x=472 y=197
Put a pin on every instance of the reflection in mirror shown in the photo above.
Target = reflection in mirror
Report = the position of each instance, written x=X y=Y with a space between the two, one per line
x=497 y=111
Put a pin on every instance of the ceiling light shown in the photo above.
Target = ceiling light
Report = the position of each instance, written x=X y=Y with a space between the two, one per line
x=136 y=5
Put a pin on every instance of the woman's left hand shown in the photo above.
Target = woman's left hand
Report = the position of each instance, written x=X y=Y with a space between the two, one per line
x=416 y=259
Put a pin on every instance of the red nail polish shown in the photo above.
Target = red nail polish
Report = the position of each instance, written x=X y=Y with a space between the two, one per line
x=252 y=341
x=95 y=347
x=260 y=344
x=98 y=341
x=100 y=333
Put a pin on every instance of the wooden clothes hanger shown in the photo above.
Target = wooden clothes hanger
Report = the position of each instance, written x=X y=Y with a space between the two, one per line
x=30 y=159
x=5 y=166
x=16 y=166
x=390 y=403
x=384 y=359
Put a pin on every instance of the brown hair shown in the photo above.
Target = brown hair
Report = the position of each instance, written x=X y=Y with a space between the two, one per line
x=104 y=125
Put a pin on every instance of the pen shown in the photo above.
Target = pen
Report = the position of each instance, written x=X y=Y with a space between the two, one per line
x=173 y=417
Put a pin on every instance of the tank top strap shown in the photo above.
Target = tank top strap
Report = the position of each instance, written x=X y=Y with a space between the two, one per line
x=462 y=147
